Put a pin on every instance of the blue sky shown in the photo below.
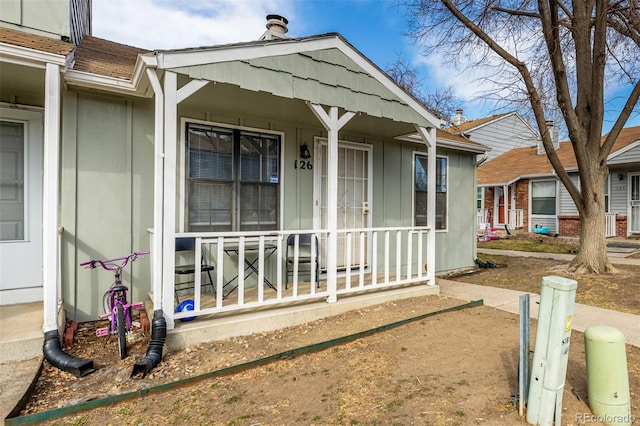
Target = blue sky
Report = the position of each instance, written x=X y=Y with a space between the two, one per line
x=374 y=27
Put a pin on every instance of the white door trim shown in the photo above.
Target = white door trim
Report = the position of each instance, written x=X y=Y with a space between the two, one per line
x=630 y=206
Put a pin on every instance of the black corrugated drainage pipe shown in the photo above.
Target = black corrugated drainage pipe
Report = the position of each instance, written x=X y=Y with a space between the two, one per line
x=154 y=352
x=58 y=358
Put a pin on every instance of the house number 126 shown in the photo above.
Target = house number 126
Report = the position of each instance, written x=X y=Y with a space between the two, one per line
x=302 y=165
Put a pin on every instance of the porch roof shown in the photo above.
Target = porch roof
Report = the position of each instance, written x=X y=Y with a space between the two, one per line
x=35 y=42
x=521 y=163
x=323 y=69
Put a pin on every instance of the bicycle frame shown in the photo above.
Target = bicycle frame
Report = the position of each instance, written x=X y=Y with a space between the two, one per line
x=117 y=307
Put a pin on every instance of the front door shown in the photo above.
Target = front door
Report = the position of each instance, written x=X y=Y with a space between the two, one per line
x=20 y=206
x=634 y=203
x=500 y=207
x=354 y=192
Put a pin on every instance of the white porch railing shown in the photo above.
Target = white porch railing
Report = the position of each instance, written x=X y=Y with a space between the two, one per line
x=610 y=224
x=516 y=218
x=368 y=259
x=482 y=218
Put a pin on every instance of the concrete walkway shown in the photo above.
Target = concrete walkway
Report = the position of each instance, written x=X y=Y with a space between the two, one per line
x=17 y=376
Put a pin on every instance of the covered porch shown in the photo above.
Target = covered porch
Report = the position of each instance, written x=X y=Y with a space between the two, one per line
x=255 y=269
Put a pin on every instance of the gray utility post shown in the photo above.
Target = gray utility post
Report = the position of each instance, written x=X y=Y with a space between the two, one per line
x=551 y=352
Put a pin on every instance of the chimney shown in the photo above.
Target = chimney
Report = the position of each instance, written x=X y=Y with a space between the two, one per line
x=276 y=28
x=458 y=119
x=553 y=132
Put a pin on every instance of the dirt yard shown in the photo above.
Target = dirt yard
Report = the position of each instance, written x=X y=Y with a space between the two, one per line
x=455 y=368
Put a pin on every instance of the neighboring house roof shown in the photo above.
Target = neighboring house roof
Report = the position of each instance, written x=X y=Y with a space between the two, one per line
x=35 y=42
x=472 y=124
x=522 y=163
x=107 y=58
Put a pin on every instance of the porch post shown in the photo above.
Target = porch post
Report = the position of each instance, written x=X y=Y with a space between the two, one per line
x=505 y=206
x=158 y=160
x=332 y=123
x=429 y=138
x=50 y=197
x=169 y=201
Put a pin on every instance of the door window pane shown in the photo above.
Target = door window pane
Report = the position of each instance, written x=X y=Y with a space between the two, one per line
x=12 y=148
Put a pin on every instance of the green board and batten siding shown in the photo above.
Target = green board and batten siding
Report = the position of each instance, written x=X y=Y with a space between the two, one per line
x=106 y=194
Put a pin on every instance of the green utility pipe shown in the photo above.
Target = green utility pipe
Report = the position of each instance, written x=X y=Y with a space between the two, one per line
x=56 y=413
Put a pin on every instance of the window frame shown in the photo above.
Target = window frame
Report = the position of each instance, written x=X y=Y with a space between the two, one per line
x=555 y=197
x=445 y=158
x=236 y=182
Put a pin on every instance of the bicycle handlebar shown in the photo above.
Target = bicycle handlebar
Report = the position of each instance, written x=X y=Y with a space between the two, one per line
x=109 y=265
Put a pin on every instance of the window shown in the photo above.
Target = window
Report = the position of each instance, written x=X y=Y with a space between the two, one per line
x=233 y=179
x=420 y=191
x=543 y=197
x=12 y=188
x=479 y=194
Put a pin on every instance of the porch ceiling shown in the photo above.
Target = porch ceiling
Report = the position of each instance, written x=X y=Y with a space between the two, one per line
x=24 y=82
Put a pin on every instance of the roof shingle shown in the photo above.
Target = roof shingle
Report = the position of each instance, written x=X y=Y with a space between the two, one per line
x=103 y=57
x=526 y=162
x=35 y=42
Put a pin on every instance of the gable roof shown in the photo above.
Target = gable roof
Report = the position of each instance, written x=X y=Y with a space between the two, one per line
x=522 y=163
x=323 y=69
x=472 y=124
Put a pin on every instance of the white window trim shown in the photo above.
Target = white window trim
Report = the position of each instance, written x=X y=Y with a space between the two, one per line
x=182 y=165
x=543 y=216
x=413 y=186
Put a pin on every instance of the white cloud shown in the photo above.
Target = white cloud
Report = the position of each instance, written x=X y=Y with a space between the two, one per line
x=166 y=24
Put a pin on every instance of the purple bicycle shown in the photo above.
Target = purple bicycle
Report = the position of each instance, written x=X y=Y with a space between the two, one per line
x=116 y=306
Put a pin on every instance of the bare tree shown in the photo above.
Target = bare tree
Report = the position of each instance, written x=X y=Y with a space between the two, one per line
x=442 y=102
x=554 y=54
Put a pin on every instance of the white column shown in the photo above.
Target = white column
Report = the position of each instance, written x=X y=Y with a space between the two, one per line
x=158 y=164
x=505 y=207
x=429 y=138
x=50 y=196
x=333 y=124
x=169 y=202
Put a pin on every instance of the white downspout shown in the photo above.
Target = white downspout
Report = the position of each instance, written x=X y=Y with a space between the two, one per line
x=158 y=178
x=50 y=206
x=333 y=124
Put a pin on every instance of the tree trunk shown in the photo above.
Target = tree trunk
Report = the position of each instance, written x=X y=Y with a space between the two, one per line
x=592 y=257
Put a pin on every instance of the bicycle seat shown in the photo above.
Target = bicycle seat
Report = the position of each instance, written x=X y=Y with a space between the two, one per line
x=120 y=287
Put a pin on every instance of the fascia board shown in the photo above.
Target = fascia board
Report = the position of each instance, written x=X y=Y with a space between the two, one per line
x=29 y=57
x=191 y=57
x=109 y=84
x=627 y=148
x=446 y=143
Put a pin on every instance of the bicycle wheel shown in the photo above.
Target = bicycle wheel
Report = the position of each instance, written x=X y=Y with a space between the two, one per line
x=122 y=332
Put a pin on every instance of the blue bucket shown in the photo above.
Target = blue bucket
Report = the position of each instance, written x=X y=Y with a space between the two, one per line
x=186 y=305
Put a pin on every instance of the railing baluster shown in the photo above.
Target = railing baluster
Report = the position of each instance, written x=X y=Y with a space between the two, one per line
x=348 y=262
x=386 y=257
x=374 y=258
x=260 y=282
x=420 y=262
x=362 y=258
x=241 y=255
x=409 y=253
x=279 y=255
x=220 y=274
x=398 y=254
